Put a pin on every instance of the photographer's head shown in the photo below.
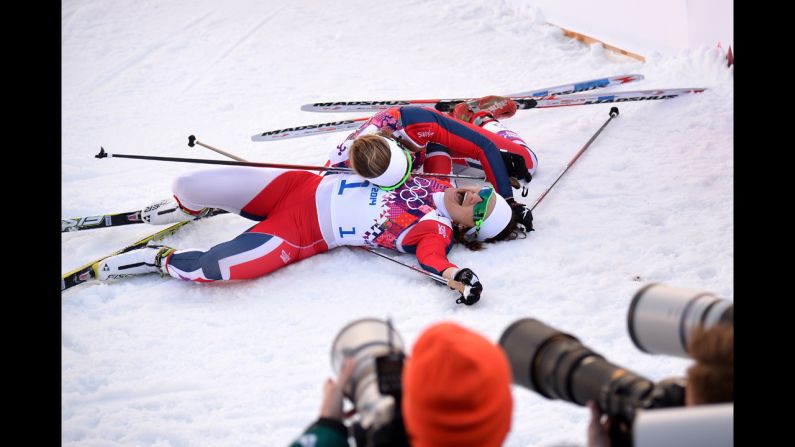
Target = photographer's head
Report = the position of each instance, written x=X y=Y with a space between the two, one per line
x=456 y=389
x=710 y=380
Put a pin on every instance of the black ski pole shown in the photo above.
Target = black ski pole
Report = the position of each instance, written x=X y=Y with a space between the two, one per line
x=103 y=154
x=613 y=114
x=438 y=278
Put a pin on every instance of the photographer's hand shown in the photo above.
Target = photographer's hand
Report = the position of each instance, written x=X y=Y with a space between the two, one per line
x=598 y=431
x=331 y=407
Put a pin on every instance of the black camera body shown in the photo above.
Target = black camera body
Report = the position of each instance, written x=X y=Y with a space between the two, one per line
x=389 y=375
x=389 y=369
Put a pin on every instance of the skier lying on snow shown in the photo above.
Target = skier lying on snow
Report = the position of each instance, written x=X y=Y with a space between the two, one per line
x=308 y=214
x=471 y=136
x=302 y=214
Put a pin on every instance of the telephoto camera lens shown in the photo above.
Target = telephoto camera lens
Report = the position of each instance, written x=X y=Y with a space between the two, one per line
x=365 y=340
x=557 y=366
x=661 y=319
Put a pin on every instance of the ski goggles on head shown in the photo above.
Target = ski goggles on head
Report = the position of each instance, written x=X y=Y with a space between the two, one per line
x=481 y=208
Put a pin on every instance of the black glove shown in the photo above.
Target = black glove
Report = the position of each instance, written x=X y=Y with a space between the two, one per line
x=515 y=165
x=472 y=288
x=522 y=214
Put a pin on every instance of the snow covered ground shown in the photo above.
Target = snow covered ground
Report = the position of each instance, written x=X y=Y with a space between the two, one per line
x=151 y=361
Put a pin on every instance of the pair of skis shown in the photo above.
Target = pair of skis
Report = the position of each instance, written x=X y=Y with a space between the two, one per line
x=88 y=271
x=558 y=96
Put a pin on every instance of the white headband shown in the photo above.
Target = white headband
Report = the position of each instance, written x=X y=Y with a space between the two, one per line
x=397 y=169
x=497 y=221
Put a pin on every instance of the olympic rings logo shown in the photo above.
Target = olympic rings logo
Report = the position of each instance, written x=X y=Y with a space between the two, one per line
x=414 y=193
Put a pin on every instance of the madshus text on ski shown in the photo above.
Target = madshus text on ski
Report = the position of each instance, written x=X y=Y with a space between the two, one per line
x=559 y=96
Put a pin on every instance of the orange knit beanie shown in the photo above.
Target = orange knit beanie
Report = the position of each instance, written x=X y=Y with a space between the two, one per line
x=456 y=389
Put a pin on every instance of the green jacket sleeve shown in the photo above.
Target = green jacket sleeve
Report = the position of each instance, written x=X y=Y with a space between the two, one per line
x=324 y=432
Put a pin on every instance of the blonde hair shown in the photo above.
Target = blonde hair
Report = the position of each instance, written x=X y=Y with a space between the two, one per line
x=369 y=156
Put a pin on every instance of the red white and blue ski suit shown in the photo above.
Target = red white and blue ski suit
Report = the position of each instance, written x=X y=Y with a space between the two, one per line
x=445 y=140
x=301 y=214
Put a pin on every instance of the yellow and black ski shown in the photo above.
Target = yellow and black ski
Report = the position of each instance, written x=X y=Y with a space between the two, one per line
x=88 y=272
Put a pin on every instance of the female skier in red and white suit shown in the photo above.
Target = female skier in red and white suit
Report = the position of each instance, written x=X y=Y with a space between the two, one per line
x=301 y=214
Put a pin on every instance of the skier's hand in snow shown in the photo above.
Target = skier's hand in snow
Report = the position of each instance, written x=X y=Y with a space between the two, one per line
x=522 y=214
x=331 y=407
x=473 y=287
